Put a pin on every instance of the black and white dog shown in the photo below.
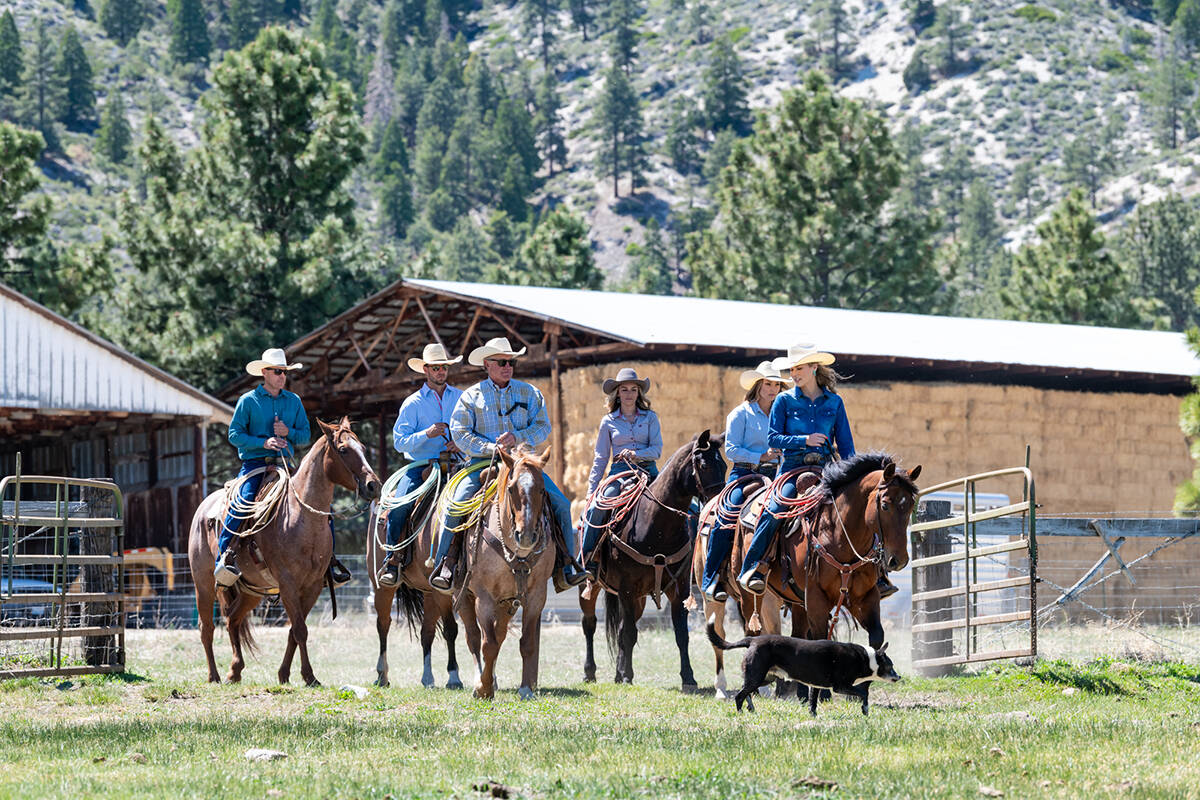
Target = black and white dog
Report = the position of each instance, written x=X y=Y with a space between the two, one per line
x=819 y=664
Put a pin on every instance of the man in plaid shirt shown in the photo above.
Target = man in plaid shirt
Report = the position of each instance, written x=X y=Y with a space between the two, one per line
x=500 y=412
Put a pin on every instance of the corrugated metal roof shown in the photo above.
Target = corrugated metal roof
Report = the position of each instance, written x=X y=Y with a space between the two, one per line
x=652 y=319
x=50 y=363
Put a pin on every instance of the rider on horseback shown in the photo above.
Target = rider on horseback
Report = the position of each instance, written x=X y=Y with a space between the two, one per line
x=747 y=449
x=805 y=422
x=499 y=412
x=629 y=438
x=268 y=423
x=421 y=432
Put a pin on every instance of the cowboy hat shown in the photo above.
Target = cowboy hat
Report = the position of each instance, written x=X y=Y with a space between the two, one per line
x=274 y=357
x=433 y=355
x=763 y=371
x=802 y=353
x=494 y=347
x=626 y=375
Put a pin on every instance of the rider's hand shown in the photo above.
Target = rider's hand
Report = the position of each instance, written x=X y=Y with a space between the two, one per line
x=627 y=455
x=816 y=439
x=770 y=455
x=435 y=430
x=451 y=447
x=506 y=440
x=275 y=443
x=280 y=429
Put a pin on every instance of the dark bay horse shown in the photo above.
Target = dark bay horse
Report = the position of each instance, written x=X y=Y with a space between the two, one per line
x=510 y=556
x=651 y=553
x=295 y=549
x=829 y=557
x=417 y=601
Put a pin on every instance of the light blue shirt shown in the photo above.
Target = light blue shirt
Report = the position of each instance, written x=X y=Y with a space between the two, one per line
x=485 y=411
x=420 y=410
x=643 y=436
x=254 y=422
x=746 y=430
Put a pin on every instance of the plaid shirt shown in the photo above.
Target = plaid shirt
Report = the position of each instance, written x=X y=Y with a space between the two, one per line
x=485 y=411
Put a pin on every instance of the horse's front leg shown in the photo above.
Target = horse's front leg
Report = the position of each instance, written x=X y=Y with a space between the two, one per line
x=627 y=634
x=298 y=604
x=531 y=641
x=493 y=624
x=866 y=611
x=449 y=634
x=471 y=631
x=429 y=624
x=716 y=612
x=383 y=623
x=587 y=604
x=679 y=622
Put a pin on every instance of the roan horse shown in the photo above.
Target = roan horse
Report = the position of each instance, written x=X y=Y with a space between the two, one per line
x=650 y=553
x=415 y=598
x=295 y=549
x=509 y=558
x=829 y=557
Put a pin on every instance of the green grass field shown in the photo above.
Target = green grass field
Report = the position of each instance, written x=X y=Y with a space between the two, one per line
x=1105 y=728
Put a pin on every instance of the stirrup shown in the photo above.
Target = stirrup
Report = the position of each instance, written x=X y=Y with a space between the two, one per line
x=753 y=582
x=442 y=579
x=885 y=586
x=338 y=574
x=226 y=572
x=572 y=576
x=389 y=575
x=715 y=593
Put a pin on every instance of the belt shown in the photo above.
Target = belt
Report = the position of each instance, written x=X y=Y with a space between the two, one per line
x=646 y=462
x=759 y=467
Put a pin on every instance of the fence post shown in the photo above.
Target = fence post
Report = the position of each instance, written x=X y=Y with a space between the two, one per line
x=99 y=651
x=932 y=644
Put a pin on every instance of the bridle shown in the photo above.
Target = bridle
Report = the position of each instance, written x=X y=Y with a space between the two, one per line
x=360 y=488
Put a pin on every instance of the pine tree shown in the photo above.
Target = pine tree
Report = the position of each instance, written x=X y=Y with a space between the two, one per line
x=546 y=124
x=952 y=32
x=513 y=132
x=10 y=55
x=77 y=105
x=956 y=175
x=245 y=21
x=1087 y=163
x=514 y=188
x=622 y=17
x=917 y=77
x=724 y=91
x=189 y=31
x=832 y=24
x=1170 y=90
x=682 y=144
x=341 y=51
x=540 y=17
x=40 y=87
x=581 y=15
x=921 y=14
x=115 y=136
x=1022 y=188
x=1161 y=245
x=619 y=120
x=650 y=269
x=122 y=19
x=980 y=230
x=393 y=151
x=558 y=253
x=396 y=203
x=1187 y=496
x=379 y=104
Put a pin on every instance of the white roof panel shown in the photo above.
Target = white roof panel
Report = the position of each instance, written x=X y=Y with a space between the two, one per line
x=654 y=319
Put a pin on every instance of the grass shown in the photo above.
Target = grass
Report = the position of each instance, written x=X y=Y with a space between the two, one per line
x=1060 y=729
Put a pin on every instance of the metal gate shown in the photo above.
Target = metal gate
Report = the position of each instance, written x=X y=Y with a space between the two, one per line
x=62 y=611
x=954 y=600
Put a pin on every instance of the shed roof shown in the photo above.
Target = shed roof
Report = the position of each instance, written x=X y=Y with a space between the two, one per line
x=55 y=368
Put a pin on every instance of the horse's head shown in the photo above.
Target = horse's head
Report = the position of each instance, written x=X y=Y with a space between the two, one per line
x=346 y=461
x=888 y=511
x=708 y=467
x=521 y=495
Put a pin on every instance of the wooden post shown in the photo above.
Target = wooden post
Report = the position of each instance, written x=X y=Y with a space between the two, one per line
x=932 y=644
x=557 y=424
x=383 y=445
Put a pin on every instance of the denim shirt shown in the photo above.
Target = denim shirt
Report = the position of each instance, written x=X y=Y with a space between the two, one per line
x=643 y=436
x=254 y=422
x=485 y=411
x=794 y=417
x=746 y=430
x=419 y=410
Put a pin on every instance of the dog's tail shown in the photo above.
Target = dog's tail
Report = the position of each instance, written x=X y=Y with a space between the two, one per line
x=720 y=643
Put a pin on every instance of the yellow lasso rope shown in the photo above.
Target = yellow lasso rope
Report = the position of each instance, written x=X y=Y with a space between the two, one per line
x=243 y=510
x=472 y=507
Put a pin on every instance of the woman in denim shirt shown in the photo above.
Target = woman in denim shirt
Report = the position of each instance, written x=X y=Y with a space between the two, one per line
x=746 y=447
x=629 y=438
x=806 y=422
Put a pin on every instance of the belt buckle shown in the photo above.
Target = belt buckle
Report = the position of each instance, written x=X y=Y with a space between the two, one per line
x=812 y=458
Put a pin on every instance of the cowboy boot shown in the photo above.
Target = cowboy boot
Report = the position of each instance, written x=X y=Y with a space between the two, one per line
x=886 y=587
x=338 y=573
x=572 y=575
x=752 y=578
x=390 y=574
x=442 y=579
x=720 y=543
x=226 y=571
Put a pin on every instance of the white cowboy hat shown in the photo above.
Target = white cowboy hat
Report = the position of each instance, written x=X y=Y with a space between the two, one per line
x=273 y=357
x=494 y=347
x=763 y=372
x=626 y=375
x=434 y=355
x=802 y=353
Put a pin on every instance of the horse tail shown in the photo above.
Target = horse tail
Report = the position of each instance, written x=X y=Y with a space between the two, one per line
x=720 y=643
x=612 y=621
x=230 y=597
x=410 y=605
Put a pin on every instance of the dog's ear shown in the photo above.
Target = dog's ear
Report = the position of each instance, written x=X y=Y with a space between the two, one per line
x=882 y=649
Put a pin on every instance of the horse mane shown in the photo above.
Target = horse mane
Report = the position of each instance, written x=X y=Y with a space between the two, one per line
x=840 y=474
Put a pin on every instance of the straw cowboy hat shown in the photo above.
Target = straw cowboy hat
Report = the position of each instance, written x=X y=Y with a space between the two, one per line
x=626 y=375
x=494 y=347
x=803 y=353
x=763 y=372
x=273 y=357
x=434 y=355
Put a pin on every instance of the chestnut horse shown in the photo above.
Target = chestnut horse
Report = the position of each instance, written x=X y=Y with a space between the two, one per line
x=650 y=552
x=416 y=599
x=829 y=557
x=509 y=558
x=295 y=549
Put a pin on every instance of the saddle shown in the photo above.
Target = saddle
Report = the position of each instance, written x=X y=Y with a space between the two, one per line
x=753 y=505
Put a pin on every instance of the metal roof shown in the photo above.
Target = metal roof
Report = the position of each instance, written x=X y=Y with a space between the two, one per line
x=49 y=364
x=668 y=320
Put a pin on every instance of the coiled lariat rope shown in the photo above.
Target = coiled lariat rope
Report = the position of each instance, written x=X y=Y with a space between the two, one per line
x=633 y=485
x=387 y=503
x=794 y=506
x=263 y=510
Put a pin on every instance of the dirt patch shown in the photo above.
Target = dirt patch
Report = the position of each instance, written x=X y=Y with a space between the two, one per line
x=918 y=701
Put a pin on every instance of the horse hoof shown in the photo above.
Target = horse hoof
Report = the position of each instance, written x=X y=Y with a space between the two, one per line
x=482 y=694
x=312 y=684
x=589 y=678
x=691 y=688
x=383 y=683
x=454 y=684
x=721 y=694
x=427 y=684
x=525 y=693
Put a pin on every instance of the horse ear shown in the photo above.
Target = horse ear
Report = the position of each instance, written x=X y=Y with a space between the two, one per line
x=505 y=456
x=914 y=473
x=544 y=457
x=889 y=472
x=702 y=440
x=345 y=423
x=325 y=428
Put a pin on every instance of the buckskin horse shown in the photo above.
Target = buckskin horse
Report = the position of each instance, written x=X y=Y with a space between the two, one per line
x=648 y=554
x=290 y=554
x=509 y=557
x=828 y=555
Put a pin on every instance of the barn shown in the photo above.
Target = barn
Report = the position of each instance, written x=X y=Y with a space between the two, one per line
x=76 y=405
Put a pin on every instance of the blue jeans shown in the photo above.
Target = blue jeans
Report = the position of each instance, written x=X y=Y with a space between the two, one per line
x=594 y=519
x=768 y=524
x=720 y=538
x=399 y=515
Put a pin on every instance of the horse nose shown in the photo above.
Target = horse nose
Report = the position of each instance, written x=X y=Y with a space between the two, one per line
x=374 y=489
x=895 y=564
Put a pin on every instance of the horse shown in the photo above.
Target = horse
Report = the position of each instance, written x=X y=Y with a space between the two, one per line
x=651 y=544
x=509 y=558
x=416 y=600
x=829 y=557
x=295 y=548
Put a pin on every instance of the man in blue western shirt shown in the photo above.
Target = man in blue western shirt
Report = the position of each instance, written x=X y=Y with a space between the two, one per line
x=422 y=431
